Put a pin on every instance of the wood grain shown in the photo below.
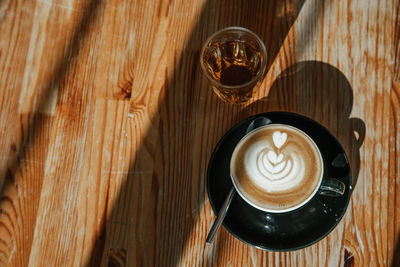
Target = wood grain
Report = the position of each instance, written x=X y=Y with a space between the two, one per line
x=108 y=126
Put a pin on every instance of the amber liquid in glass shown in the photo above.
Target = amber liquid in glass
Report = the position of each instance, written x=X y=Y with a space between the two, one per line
x=233 y=64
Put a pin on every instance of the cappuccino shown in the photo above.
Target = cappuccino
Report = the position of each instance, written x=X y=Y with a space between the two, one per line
x=276 y=168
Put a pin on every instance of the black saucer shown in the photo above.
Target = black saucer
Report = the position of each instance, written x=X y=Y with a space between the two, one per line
x=291 y=230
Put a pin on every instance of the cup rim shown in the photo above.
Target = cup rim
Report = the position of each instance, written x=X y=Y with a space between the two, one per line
x=234 y=28
x=286 y=209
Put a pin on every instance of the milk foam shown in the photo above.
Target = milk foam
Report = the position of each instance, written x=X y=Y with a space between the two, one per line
x=271 y=171
x=276 y=168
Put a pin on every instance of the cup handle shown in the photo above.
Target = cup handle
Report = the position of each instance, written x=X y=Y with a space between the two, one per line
x=332 y=187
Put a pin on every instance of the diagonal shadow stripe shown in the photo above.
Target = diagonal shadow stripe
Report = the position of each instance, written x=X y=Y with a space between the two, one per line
x=37 y=125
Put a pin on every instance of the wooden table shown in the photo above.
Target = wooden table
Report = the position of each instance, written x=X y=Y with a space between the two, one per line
x=108 y=126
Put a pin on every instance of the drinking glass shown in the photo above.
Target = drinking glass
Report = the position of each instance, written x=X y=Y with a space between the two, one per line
x=234 y=61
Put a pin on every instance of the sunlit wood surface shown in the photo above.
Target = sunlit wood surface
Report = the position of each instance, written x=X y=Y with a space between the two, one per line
x=107 y=126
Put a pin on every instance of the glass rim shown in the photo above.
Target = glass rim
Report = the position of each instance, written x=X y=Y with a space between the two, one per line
x=234 y=28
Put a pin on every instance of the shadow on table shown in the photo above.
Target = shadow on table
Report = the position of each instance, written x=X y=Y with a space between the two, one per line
x=156 y=209
x=36 y=124
x=35 y=128
x=396 y=254
x=321 y=92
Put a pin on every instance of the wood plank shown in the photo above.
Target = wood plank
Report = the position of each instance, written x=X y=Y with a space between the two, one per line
x=21 y=159
x=394 y=151
x=108 y=125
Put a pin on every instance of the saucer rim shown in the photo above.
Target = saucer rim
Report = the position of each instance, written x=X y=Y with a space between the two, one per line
x=290 y=114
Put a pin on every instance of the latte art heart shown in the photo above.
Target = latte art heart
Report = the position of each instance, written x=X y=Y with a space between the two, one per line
x=273 y=158
x=271 y=172
x=266 y=167
x=276 y=167
x=279 y=139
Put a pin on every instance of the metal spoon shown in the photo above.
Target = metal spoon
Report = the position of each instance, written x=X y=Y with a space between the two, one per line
x=220 y=217
x=260 y=121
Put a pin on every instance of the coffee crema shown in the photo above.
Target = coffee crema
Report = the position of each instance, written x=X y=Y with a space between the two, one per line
x=276 y=168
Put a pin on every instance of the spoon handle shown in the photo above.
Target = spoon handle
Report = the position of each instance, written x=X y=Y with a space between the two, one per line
x=220 y=217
